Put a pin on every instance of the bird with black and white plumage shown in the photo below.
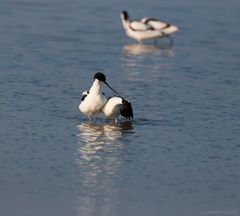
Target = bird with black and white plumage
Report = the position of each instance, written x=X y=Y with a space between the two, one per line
x=116 y=106
x=94 y=101
x=146 y=28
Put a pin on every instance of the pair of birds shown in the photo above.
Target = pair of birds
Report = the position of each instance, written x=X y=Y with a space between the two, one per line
x=94 y=101
x=146 y=28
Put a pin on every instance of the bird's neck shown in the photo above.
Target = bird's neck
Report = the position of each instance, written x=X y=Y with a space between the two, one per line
x=125 y=23
x=96 y=87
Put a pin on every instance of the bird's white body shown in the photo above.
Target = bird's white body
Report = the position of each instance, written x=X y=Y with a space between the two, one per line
x=139 y=31
x=166 y=28
x=94 y=101
x=116 y=106
x=157 y=24
x=146 y=28
x=112 y=108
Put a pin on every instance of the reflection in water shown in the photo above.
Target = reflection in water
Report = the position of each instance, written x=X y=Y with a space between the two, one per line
x=98 y=158
x=139 y=58
x=95 y=137
x=141 y=49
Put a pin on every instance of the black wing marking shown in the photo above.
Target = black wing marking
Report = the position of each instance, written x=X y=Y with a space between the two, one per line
x=126 y=110
x=83 y=97
x=167 y=25
x=85 y=94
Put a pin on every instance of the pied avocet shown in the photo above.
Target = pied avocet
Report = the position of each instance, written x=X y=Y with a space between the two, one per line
x=116 y=106
x=94 y=101
x=147 y=28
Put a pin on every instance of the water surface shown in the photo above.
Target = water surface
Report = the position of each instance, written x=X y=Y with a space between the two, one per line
x=180 y=154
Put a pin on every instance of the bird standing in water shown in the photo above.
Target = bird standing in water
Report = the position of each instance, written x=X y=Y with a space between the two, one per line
x=116 y=106
x=94 y=101
x=146 y=28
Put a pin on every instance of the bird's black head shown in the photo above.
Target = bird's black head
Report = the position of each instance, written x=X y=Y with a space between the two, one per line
x=125 y=15
x=100 y=76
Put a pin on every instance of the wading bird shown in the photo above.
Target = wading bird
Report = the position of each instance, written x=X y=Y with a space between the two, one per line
x=116 y=106
x=146 y=28
x=94 y=101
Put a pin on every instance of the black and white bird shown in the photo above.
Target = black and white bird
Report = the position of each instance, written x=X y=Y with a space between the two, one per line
x=146 y=28
x=116 y=106
x=94 y=101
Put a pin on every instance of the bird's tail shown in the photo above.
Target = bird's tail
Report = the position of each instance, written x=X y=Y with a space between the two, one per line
x=126 y=110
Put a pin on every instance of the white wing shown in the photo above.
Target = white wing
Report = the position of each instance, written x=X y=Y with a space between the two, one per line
x=165 y=27
x=139 y=26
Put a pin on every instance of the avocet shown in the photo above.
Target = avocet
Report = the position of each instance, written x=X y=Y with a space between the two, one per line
x=146 y=28
x=94 y=101
x=116 y=106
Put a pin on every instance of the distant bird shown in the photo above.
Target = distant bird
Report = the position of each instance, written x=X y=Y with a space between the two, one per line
x=92 y=101
x=116 y=106
x=146 y=28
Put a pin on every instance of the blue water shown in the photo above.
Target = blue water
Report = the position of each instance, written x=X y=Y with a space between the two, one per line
x=180 y=154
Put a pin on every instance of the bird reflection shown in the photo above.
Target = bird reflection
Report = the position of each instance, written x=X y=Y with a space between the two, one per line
x=91 y=135
x=98 y=158
x=141 y=49
x=144 y=61
x=95 y=137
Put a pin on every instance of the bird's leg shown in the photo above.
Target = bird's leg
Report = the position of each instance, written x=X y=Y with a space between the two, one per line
x=171 y=40
x=89 y=119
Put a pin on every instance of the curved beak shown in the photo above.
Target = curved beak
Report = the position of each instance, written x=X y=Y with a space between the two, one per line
x=112 y=89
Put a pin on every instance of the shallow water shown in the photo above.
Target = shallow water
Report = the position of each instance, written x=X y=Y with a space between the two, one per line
x=180 y=154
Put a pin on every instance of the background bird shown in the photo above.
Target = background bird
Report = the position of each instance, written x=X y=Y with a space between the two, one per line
x=146 y=28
